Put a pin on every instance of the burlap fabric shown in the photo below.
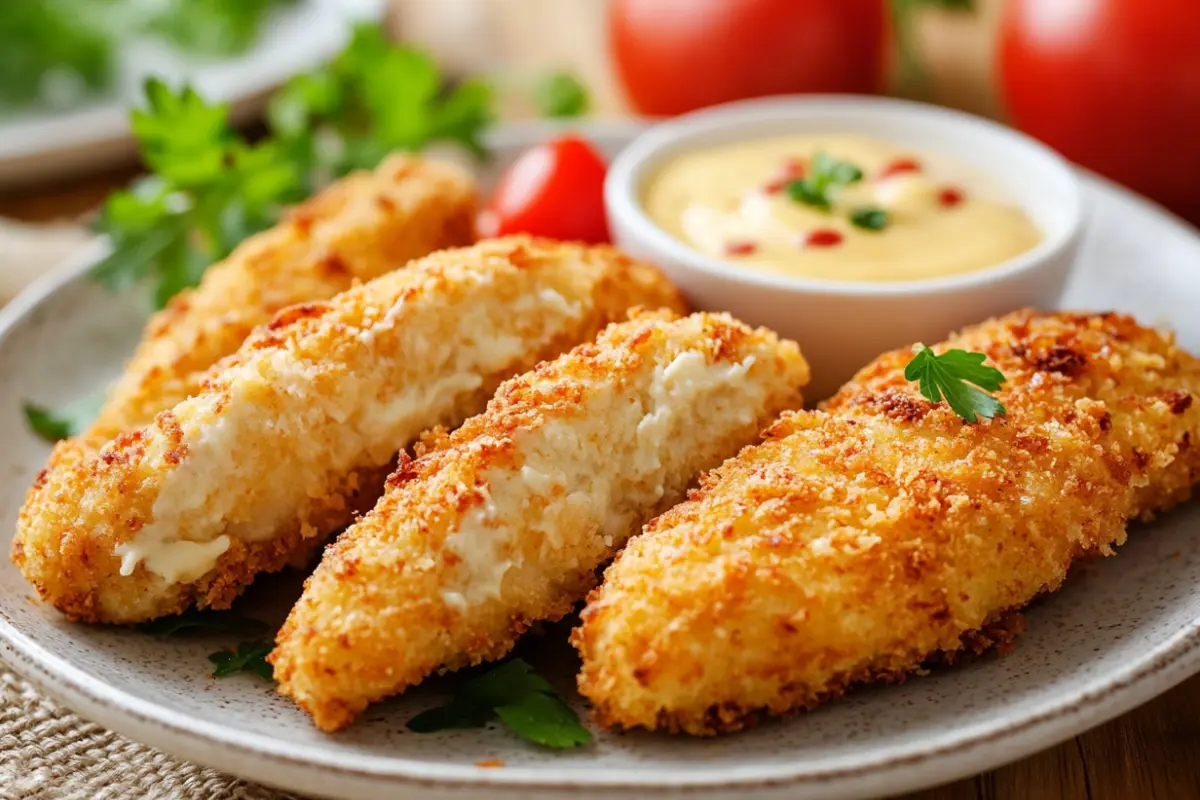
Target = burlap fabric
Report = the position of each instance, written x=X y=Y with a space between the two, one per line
x=49 y=753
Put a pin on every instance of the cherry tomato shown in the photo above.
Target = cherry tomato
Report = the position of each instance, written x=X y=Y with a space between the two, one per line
x=1114 y=85
x=678 y=55
x=555 y=189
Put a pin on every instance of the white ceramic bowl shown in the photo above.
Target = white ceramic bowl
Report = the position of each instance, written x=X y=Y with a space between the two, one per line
x=843 y=325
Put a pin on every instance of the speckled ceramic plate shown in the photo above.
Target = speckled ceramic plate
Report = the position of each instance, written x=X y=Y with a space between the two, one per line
x=1120 y=632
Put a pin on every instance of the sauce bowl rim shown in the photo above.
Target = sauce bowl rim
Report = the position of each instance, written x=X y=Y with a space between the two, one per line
x=633 y=163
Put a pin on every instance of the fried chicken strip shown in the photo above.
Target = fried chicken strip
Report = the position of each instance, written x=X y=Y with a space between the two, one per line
x=296 y=431
x=364 y=225
x=505 y=521
x=857 y=541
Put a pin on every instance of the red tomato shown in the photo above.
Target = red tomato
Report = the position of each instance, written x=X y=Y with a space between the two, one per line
x=1112 y=84
x=555 y=189
x=678 y=55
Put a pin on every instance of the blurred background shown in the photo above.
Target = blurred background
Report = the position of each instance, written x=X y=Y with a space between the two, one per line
x=1113 y=84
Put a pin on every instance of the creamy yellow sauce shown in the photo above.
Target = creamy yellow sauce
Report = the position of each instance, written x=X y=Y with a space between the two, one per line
x=727 y=202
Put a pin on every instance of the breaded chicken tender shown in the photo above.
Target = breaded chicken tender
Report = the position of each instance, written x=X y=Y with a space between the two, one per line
x=295 y=433
x=856 y=542
x=504 y=522
x=364 y=225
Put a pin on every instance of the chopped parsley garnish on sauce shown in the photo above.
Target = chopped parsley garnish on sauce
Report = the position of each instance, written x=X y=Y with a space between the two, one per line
x=825 y=174
x=960 y=378
x=519 y=698
x=870 y=218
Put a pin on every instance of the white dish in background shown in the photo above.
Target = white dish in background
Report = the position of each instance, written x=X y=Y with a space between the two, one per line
x=843 y=325
x=38 y=145
x=1120 y=632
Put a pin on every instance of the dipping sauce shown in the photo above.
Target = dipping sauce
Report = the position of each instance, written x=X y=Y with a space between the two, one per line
x=838 y=207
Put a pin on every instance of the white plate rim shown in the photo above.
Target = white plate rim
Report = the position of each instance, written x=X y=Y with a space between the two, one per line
x=981 y=749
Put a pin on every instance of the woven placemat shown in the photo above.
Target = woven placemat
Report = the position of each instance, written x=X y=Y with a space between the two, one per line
x=50 y=753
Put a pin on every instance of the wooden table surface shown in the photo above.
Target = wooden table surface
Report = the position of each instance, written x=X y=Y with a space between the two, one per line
x=1152 y=752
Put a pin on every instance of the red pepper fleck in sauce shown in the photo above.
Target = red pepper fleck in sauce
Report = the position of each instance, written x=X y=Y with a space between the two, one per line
x=950 y=196
x=793 y=170
x=898 y=166
x=823 y=237
x=740 y=248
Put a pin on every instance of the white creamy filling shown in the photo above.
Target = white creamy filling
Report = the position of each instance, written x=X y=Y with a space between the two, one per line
x=307 y=434
x=174 y=561
x=560 y=474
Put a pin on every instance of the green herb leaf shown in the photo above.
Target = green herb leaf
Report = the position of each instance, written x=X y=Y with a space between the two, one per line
x=183 y=138
x=809 y=193
x=465 y=114
x=248 y=657
x=500 y=685
x=212 y=27
x=52 y=55
x=869 y=218
x=211 y=189
x=544 y=719
x=519 y=697
x=197 y=621
x=825 y=175
x=950 y=376
x=458 y=713
x=834 y=172
x=305 y=98
x=69 y=420
x=560 y=94
x=47 y=424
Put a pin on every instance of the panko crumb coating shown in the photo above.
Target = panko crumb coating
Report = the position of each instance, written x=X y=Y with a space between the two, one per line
x=357 y=229
x=858 y=541
x=294 y=434
x=505 y=521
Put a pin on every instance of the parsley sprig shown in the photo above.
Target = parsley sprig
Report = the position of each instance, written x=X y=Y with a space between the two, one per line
x=870 y=218
x=247 y=657
x=65 y=421
x=560 y=94
x=374 y=97
x=825 y=176
x=211 y=188
x=209 y=191
x=519 y=698
x=951 y=375
x=195 y=620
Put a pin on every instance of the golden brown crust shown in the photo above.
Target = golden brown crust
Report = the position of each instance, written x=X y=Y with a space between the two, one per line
x=567 y=461
x=290 y=436
x=361 y=227
x=858 y=540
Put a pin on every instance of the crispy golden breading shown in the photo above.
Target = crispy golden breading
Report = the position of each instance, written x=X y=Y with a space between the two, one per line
x=505 y=521
x=359 y=228
x=295 y=432
x=857 y=541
